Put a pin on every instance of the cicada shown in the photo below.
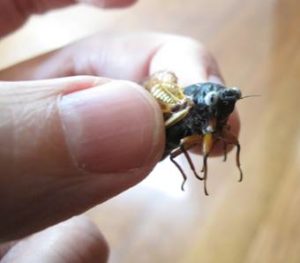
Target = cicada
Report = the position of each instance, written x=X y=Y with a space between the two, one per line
x=196 y=115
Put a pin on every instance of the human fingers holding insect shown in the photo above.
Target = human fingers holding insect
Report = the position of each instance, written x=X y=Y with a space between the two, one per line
x=79 y=141
x=133 y=57
x=69 y=144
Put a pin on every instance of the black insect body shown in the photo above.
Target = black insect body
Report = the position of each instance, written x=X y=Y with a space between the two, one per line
x=196 y=115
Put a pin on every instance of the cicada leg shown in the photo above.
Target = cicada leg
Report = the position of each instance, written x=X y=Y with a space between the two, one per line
x=190 y=162
x=204 y=170
x=185 y=144
x=173 y=155
x=228 y=138
x=238 y=163
x=207 y=146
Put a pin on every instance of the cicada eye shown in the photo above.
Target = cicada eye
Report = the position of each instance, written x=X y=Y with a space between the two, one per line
x=237 y=91
x=211 y=98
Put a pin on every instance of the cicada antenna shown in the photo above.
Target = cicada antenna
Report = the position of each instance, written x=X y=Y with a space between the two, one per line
x=250 y=96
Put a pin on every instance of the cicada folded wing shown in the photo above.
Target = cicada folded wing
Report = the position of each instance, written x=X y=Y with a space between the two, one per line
x=164 y=87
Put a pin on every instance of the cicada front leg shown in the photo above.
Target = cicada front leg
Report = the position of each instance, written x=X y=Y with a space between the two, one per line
x=207 y=146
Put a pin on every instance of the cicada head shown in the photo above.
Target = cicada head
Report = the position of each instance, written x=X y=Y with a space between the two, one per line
x=216 y=101
x=227 y=98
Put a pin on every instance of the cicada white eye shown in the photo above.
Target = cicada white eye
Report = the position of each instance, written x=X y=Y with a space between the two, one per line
x=211 y=98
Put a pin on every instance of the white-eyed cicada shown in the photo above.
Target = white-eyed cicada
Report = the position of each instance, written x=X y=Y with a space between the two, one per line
x=194 y=115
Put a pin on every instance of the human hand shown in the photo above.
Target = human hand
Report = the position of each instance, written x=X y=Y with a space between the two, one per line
x=67 y=145
x=14 y=13
x=128 y=56
x=71 y=143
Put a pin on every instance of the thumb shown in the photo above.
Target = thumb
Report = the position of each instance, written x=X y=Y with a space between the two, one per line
x=68 y=144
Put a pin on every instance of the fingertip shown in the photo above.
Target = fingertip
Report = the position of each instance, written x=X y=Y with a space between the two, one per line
x=75 y=240
x=199 y=64
x=111 y=128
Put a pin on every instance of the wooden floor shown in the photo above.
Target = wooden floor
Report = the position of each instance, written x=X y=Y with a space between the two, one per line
x=257 y=44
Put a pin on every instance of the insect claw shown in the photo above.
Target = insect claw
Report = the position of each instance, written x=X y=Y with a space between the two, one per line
x=238 y=164
x=205 y=182
x=205 y=173
x=182 y=185
x=241 y=175
x=205 y=188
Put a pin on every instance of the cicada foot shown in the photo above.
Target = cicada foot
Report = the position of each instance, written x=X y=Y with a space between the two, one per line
x=172 y=158
x=238 y=163
x=207 y=146
x=204 y=171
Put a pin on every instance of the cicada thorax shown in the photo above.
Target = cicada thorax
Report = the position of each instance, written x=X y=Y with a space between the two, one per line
x=164 y=87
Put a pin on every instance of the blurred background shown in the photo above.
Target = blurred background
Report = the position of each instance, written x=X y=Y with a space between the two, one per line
x=257 y=44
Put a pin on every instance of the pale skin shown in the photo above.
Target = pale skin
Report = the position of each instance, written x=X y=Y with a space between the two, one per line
x=52 y=167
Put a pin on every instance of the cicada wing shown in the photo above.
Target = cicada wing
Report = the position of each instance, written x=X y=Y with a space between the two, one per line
x=164 y=87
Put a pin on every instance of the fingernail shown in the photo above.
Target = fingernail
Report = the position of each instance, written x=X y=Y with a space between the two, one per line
x=113 y=127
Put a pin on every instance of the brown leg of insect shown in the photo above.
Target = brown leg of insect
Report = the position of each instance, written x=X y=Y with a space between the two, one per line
x=186 y=144
x=229 y=138
x=173 y=155
x=238 y=163
x=208 y=143
x=204 y=170
x=190 y=162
